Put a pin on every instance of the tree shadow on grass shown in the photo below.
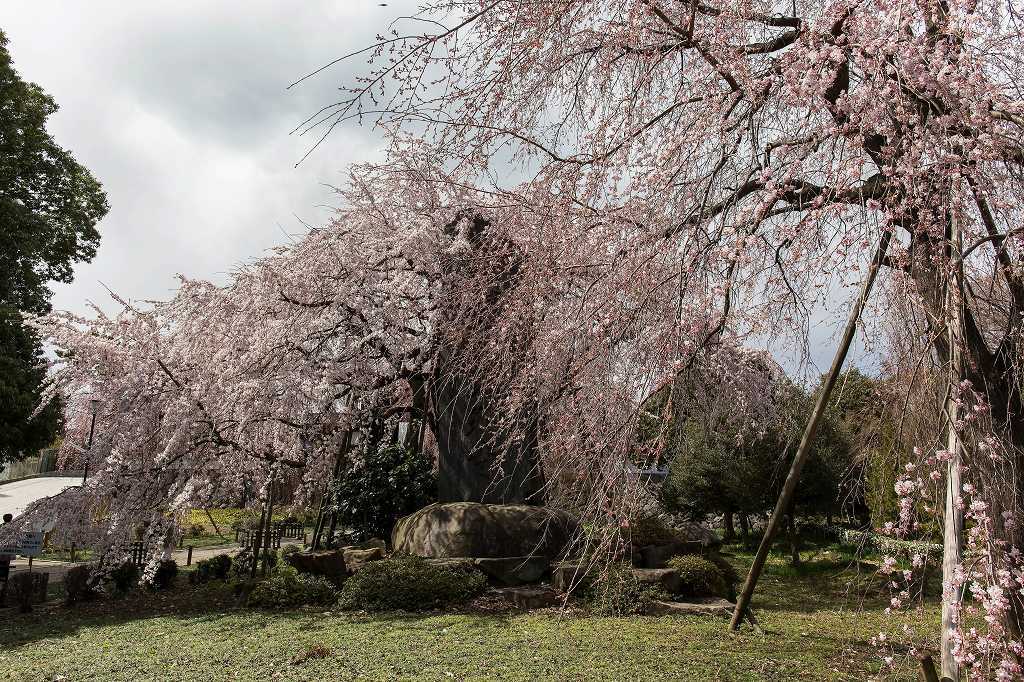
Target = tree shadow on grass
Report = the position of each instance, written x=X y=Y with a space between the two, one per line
x=198 y=604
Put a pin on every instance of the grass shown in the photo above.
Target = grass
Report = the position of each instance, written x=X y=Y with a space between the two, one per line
x=818 y=621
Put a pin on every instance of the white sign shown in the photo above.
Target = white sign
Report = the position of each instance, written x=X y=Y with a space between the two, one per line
x=31 y=544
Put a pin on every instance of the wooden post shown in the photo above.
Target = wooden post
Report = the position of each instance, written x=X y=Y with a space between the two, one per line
x=953 y=521
x=255 y=545
x=789 y=487
x=188 y=561
x=267 y=548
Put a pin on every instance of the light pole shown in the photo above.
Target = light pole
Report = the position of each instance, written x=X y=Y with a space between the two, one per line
x=94 y=405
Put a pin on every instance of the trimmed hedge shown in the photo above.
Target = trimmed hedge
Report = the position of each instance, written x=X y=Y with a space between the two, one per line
x=410 y=583
x=699 y=577
x=287 y=588
x=214 y=568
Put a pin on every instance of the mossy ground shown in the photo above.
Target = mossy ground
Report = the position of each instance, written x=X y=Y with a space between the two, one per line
x=817 y=621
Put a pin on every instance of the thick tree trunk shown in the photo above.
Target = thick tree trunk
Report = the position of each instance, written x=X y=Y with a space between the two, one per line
x=991 y=370
x=476 y=463
x=730 y=529
x=477 y=460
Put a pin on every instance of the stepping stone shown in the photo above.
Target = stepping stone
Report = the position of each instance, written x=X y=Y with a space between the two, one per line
x=568 y=576
x=530 y=597
x=711 y=607
x=514 y=570
x=666 y=578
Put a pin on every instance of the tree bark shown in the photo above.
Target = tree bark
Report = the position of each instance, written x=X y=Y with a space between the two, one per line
x=730 y=529
x=477 y=460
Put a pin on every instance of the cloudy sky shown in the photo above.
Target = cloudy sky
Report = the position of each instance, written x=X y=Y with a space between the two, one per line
x=180 y=110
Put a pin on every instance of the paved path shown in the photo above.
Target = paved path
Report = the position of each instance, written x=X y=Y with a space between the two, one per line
x=14 y=497
x=57 y=569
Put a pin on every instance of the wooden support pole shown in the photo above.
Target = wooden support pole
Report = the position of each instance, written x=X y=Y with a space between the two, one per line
x=789 y=487
x=953 y=521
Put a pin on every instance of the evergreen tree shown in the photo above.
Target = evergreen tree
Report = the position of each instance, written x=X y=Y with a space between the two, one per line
x=49 y=207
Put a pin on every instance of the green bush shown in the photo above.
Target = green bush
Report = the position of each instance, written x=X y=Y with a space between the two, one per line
x=287 y=588
x=699 y=577
x=166 y=574
x=124 y=576
x=619 y=593
x=241 y=566
x=379 y=488
x=196 y=530
x=214 y=568
x=290 y=549
x=76 y=585
x=411 y=584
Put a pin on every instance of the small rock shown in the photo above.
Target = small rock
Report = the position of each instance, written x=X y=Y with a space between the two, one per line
x=355 y=559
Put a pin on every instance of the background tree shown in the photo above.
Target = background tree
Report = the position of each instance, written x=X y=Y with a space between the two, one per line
x=49 y=207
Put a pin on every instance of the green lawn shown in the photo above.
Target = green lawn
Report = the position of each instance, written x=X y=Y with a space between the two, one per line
x=817 y=624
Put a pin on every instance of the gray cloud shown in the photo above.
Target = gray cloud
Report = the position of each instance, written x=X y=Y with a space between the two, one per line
x=180 y=109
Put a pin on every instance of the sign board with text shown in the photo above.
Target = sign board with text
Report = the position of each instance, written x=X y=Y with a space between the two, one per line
x=31 y=544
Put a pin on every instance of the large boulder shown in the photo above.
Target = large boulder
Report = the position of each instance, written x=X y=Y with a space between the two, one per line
x=472 y=529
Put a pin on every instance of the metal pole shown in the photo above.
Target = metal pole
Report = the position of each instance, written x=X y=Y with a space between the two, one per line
x=789 y=488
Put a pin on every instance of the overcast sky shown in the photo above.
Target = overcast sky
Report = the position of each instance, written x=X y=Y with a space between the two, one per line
x=180 y=110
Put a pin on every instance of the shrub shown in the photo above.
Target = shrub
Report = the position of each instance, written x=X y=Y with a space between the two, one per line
x=699 y=577
x=166 y=574
x=378 y=489
x=77 y=586
x=289 y=549
x=124 y=576
x=241 y=566
x=196 y=530
x=411 y=584
x=214 y=568
x=286 y=588
x=619 y=593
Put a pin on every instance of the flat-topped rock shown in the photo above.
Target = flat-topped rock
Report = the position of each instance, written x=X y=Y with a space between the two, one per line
x=530 y=597
x=355 y=558
x=566 y=576
x=666 y=578
x=520 y=570
x=709 y=607
x=472 y=529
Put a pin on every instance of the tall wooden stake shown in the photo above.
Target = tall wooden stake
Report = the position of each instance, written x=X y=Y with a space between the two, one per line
x=789 y=487
x=953 y=521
